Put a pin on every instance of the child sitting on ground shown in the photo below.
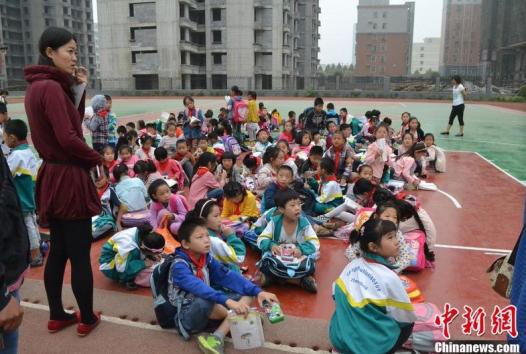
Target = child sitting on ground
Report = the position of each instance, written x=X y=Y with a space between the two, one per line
x=288 y=159
x=272 y=160
x=129 y=256
x=331 y=128
x=329 y=193
x=204 y=183
x=304 y=145
x=23 y=165
x=415 y=130
x=283 y=180
x=130 y=191
x=404 y=126
x=132 y=140
x=195 y=273
x=288 y=133
x=227 y=165
x=108 y=160
x=146 y=171
x=226 y=247
x=385 y=211
x=105 y=222
x=166 y=204
x=239 y=203
x=169 y=141
x=407 y=142
x=263 y=142
x=378 y=154
x=146 y=152
x=185 y=158
x=151 y=130
x=380 y=318
x=341 y=156
x=289 y=245
x=169 y=168
x=436 y=158
x=405 y=165
x=317 y=140
x=127 y=158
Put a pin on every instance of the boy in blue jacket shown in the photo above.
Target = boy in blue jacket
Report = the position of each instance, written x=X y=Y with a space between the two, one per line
x=193 y=274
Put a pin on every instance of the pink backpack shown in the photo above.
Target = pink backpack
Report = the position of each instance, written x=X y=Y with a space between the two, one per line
x=425 y=331
x=416 y=240
x=239 y=111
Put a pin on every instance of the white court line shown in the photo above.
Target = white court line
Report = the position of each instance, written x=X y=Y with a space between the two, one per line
x=478 y=141
x=496 y=254
x=469 y=248
x=453 y=199
x=402 y=104
x=147 y=326
x=499 y=168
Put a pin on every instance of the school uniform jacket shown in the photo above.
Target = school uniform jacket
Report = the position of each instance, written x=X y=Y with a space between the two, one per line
x=24 y=167
x=371 y=307
x=306 y=238
x=120 y=257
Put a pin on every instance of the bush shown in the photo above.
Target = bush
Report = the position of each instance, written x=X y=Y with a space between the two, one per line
x=522 y=92
x=311 y=93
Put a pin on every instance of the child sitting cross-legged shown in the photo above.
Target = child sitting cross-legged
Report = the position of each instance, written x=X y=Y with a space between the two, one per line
x=166 y=204
x=289 y=245
x=129 y=256
x=226 y=247
x=329 y=193
x=239 y=203
x=380 y=317
x=194 y=276
x=204 y=183
x=131 y=192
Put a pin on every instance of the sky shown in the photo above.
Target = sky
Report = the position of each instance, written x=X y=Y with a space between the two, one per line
x=338 y=17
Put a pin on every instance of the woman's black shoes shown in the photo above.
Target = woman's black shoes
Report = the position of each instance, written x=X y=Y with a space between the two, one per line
x=444 y=133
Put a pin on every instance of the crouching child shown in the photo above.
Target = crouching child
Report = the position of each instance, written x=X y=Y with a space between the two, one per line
x=193 y=274
x=289 y=245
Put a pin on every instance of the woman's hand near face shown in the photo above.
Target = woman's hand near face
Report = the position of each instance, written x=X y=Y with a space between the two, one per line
x=81 y=75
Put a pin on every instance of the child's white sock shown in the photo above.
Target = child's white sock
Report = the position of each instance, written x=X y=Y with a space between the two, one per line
x=219 y=335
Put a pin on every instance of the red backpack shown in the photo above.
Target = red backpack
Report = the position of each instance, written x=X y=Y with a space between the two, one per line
x=239 y=111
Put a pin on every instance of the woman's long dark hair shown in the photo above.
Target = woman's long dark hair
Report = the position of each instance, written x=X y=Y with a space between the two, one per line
x=54 y=38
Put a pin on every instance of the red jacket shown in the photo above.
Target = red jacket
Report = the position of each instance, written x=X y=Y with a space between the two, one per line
x=64 y=189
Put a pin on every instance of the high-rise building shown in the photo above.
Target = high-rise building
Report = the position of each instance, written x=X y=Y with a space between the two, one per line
x=503 y=41
x=425 y=56
x=384 y=38
x=208 y=44
x=23 y=21
x=460 y=40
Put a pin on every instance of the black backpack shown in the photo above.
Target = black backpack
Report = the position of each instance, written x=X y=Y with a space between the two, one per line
x=307 y=197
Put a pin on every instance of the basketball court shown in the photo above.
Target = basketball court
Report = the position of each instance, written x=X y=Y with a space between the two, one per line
x=477 y=211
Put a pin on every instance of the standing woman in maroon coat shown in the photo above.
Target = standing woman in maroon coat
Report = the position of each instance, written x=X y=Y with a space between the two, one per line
x=65 y=194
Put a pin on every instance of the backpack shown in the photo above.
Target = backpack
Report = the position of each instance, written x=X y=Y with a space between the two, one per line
x=166 y=307
x=425 y=331
x=416 y=240
x=139 y=218
x=239 y=111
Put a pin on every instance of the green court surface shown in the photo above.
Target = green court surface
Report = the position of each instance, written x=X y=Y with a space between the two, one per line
x=496 y=133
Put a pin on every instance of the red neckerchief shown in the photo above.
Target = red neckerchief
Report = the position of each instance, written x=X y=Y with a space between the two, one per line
x=337 y=154
x=147 y=152
x=286 y=157
x=103 y=189
x=164 y=165
x=289 y=136
x=103 y=113
x=110 y=164
x=238 y=208
x=202 y=170
x=198 y=263
x=178 y=156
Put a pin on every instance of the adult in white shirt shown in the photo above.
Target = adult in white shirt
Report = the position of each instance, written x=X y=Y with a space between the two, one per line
x=459 y=94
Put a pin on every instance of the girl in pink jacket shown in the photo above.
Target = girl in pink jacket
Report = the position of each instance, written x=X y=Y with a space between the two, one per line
x=204 y=183
x=405 y=165
x=165 y=203
x=378 y=154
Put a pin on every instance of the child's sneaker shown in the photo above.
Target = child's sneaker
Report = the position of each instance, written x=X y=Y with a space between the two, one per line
x=309 y=284
x=210 y=344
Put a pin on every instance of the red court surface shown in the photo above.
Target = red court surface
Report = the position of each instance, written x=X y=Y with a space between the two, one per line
x=487 y=223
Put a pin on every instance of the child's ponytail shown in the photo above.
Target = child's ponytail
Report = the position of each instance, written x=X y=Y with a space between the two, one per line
x=373 y=230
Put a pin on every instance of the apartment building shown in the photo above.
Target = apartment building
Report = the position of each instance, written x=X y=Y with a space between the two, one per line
x=425 y=56
x=24 y=20
x=384 y=38
x=208 y=44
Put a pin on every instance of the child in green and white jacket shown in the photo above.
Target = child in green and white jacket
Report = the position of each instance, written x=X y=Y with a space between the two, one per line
x=130 y=252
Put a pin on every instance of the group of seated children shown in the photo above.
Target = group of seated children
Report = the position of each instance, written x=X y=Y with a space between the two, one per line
x=212 y=192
